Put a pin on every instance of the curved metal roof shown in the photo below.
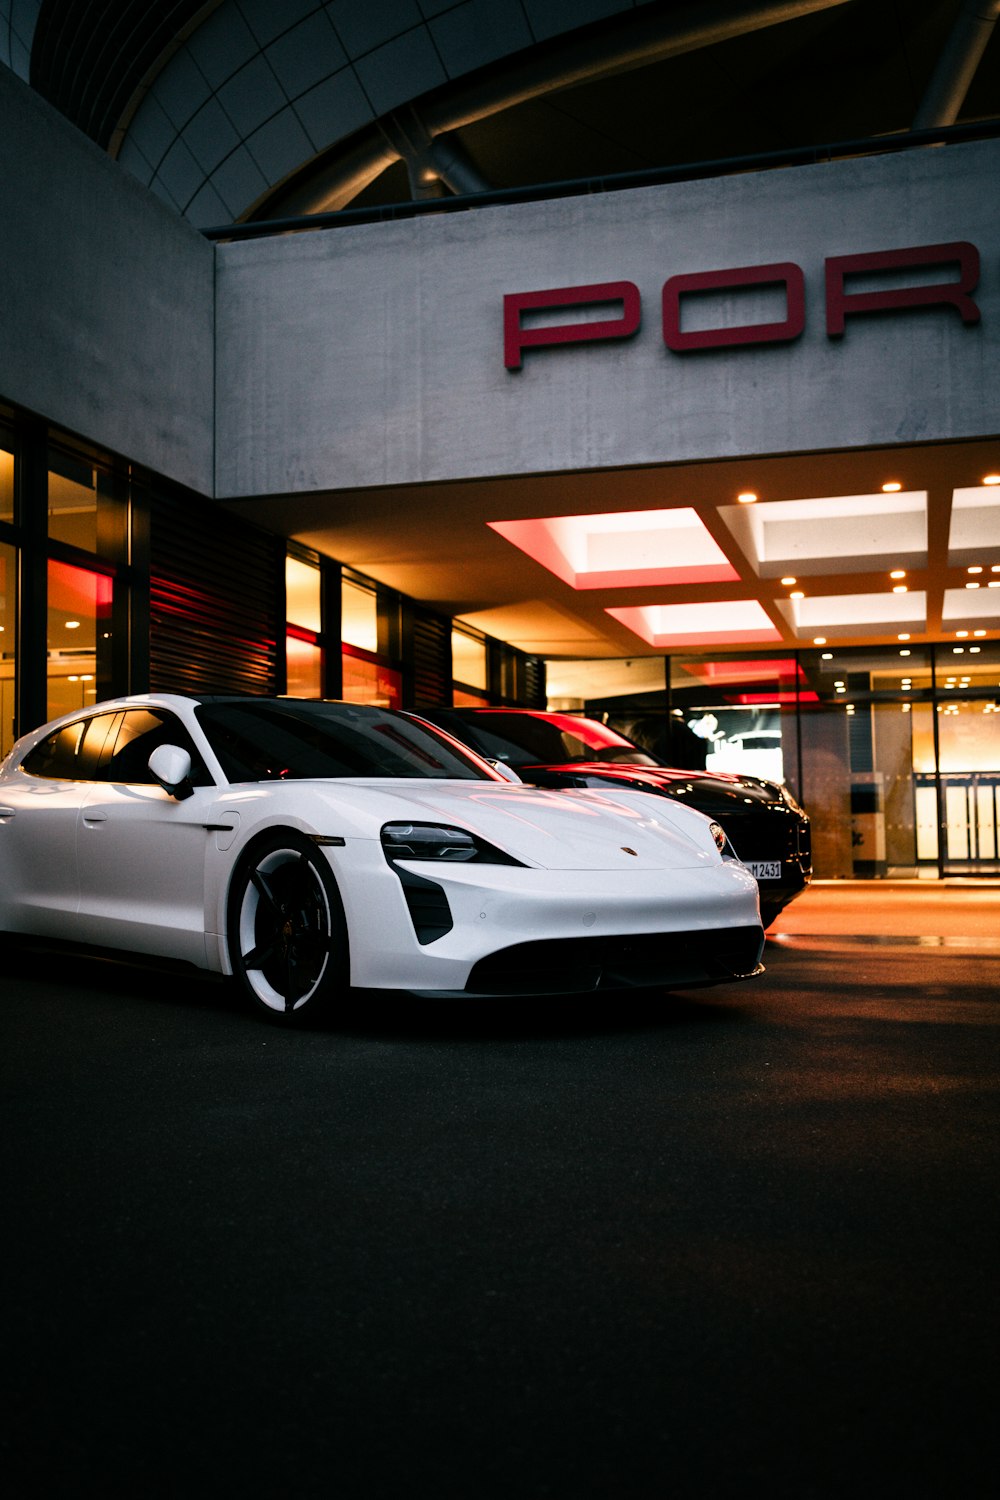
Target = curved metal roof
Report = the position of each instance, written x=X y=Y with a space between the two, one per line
x=238 y=108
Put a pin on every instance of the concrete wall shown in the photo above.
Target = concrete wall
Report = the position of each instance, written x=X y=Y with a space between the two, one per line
x=106 y=298
x=373 y=355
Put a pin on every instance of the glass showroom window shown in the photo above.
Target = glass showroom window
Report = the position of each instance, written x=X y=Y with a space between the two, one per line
x=469 y=670
x=368 y=676
x=85 y=510
x=303 y=635
x=358 y=616
x=79 y=637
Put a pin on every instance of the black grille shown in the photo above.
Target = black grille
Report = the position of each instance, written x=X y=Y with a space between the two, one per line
x=569 y=966
x=427 y=905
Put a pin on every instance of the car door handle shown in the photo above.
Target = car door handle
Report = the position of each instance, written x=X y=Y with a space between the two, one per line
x=95 y=816
x=6 y=813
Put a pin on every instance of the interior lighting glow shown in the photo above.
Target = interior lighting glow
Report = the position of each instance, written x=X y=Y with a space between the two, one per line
x=975 y=650
x=827 y=656
x=994 y=583
x=904 y=636
x=72 y=624
x=788 y=581
x=974 y=570
x=995 y=568
x=960 y=636
x=977 y=632
x=959 y=650
x=747 y=498
x=991 y=478
x=972 y=585
x=891 y=487
x=907 y=686
x=906 y=653
x=900 y=588
x=820 y=640
x=796 y=594
x=906 y=708
x=898 y=573
x=841 y=690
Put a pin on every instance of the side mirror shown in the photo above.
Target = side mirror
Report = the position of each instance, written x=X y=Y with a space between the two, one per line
x=503 y=769
x=171 y=766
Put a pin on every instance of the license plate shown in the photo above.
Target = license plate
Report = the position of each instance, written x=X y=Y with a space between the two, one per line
x=765 y=869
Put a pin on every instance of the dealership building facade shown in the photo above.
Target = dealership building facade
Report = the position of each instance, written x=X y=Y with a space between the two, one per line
x=720 y=449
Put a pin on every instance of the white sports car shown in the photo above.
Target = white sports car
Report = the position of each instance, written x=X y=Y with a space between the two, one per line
x=306 y=846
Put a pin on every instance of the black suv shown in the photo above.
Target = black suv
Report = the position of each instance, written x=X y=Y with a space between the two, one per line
x=767 y=828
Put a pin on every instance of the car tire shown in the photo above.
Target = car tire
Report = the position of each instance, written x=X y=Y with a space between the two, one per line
x=286 y=930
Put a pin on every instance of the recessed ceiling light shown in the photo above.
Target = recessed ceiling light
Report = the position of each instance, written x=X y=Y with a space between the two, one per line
x=891 y=487
x=972 y=585
x=991 y=478
x=979 y=632
x=995 y=568
x=827 y=656
x=746 y=497
x=900 y=588
x=959 y=650
x=994 y=585
x=973 y=570
x=788 y=581
x=961 y=634
x=72 y=624
x=975 y=650
x=903 y=636
x=907 y=686
x=904 y=653
x=796 y=594
x=819 y=640
x=906 y=708
x=898 y=573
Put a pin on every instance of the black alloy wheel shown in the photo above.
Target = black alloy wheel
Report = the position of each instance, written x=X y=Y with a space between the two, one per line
x=286 y=929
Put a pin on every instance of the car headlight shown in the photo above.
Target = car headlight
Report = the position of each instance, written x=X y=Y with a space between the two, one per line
x=721 y=841
x=438 y=841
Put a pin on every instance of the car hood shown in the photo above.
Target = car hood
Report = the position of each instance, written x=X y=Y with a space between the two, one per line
x=714 y=794
x=563 y=830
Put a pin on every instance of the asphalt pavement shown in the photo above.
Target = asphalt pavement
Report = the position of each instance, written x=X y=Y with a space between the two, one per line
x=740 y=1240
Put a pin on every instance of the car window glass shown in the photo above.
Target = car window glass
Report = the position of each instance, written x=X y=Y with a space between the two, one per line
x=267 y=741
x=139 y=734
x=71 y=753
x=525 y=739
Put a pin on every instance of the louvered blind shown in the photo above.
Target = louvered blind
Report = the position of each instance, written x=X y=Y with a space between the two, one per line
x=215 y=587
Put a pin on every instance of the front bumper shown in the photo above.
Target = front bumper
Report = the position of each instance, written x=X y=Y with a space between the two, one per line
x=526 y=931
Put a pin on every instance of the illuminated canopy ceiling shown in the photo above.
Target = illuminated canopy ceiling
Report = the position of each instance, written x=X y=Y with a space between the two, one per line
x=632 y=562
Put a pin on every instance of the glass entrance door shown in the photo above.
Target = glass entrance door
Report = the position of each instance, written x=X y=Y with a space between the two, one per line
x=969 y=750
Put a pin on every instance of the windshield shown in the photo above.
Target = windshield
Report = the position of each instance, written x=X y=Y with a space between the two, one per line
x=298 y=740
x=526 y=739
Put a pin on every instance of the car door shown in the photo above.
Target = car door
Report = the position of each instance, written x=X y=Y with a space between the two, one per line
x=142 y=852
x=40 y=807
